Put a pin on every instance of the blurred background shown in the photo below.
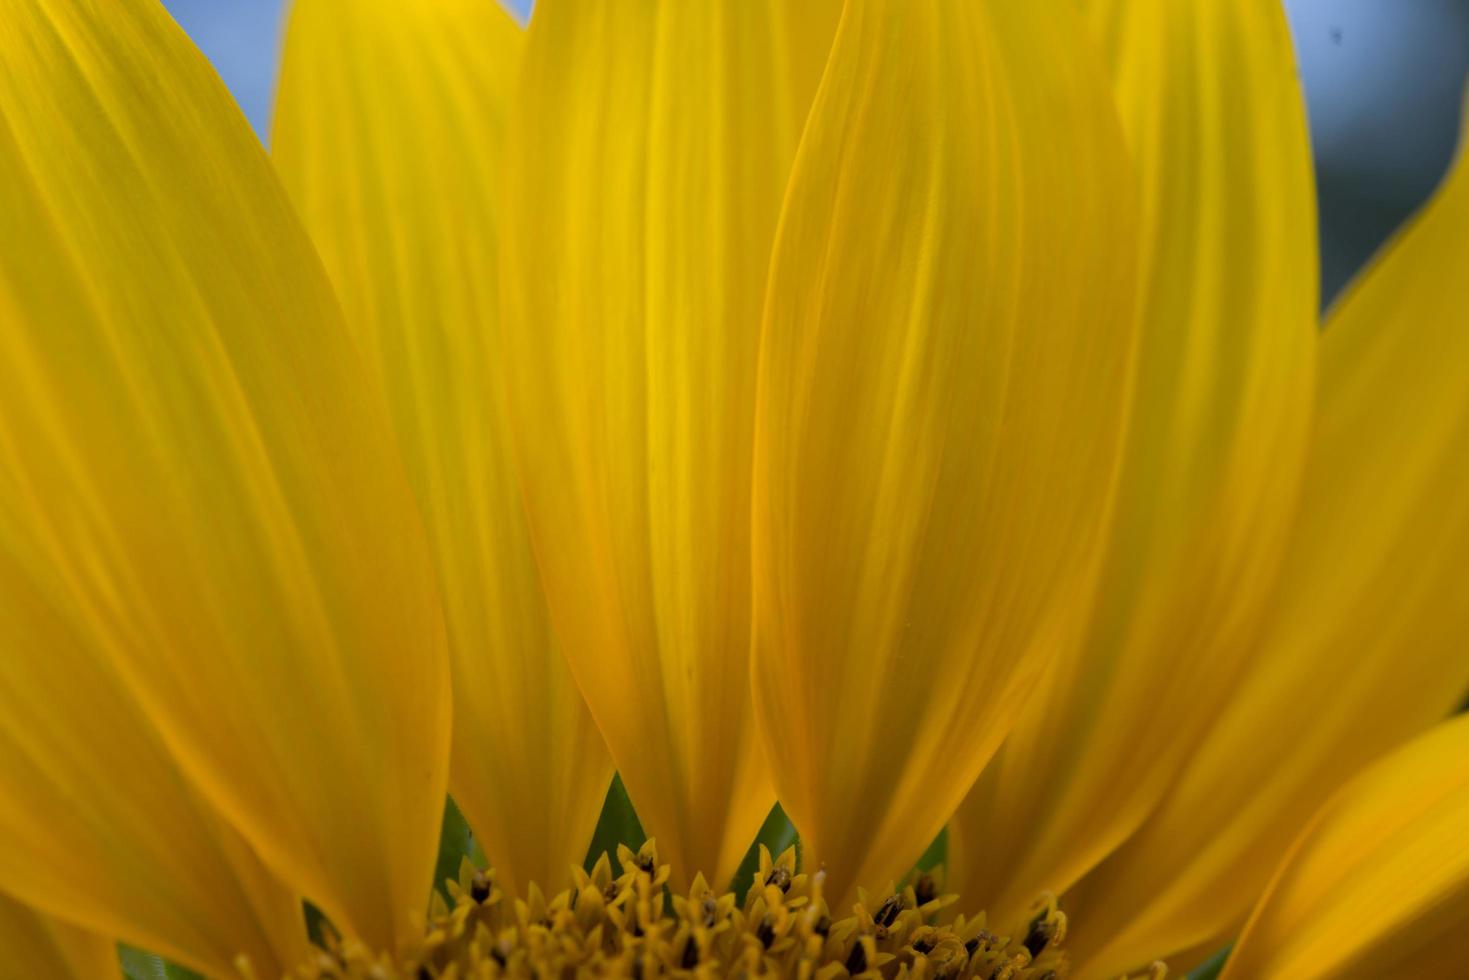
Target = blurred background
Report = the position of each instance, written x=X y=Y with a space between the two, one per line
x=1383 y=81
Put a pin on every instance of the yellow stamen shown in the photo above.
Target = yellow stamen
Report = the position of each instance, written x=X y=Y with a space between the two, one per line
x=631 y=926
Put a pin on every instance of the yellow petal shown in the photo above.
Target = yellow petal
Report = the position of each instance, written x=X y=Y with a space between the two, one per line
x=200 y=486
x=1216 y=443
x=389 y=136
x=101 y=827
x=946 y=346
x=1378 y=883
x=649 y=154
x=33 y=945
x=1364 y=644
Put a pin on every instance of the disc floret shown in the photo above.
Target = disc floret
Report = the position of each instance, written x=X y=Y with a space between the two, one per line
x=629 y=924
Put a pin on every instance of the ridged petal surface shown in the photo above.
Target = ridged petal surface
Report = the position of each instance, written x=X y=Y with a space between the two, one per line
x=104 y=829
x=390 y=137
x=1378 y=884
x=1216 y=441
x=33 y=945
x=648 y=157
x=1364 y=644
x=200 y=500
x=947 y=344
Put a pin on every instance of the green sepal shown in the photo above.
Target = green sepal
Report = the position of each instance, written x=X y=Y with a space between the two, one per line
x=138 y=965
x=618 y=824
x=777 y=833
x=937 y=853
x=456 y=842
x=1213 y=966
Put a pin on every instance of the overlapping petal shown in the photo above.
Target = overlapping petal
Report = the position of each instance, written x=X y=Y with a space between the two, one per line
x=649 y=154
x=34 y=946
x=1365 y=639
x=200 y=503
x=105 y=830
x=1378 y=884
x=1216 y=439
x=947 y=343
x=389 y=136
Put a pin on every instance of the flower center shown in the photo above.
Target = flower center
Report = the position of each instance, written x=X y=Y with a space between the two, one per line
x=629 y=925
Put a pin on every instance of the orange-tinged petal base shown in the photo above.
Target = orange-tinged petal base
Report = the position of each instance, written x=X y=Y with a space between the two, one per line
x=34 y=945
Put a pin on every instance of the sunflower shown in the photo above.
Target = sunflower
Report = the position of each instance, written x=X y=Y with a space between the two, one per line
x=911 y=411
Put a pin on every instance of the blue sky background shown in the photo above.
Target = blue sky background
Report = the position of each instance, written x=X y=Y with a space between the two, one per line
x=1383 y=80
